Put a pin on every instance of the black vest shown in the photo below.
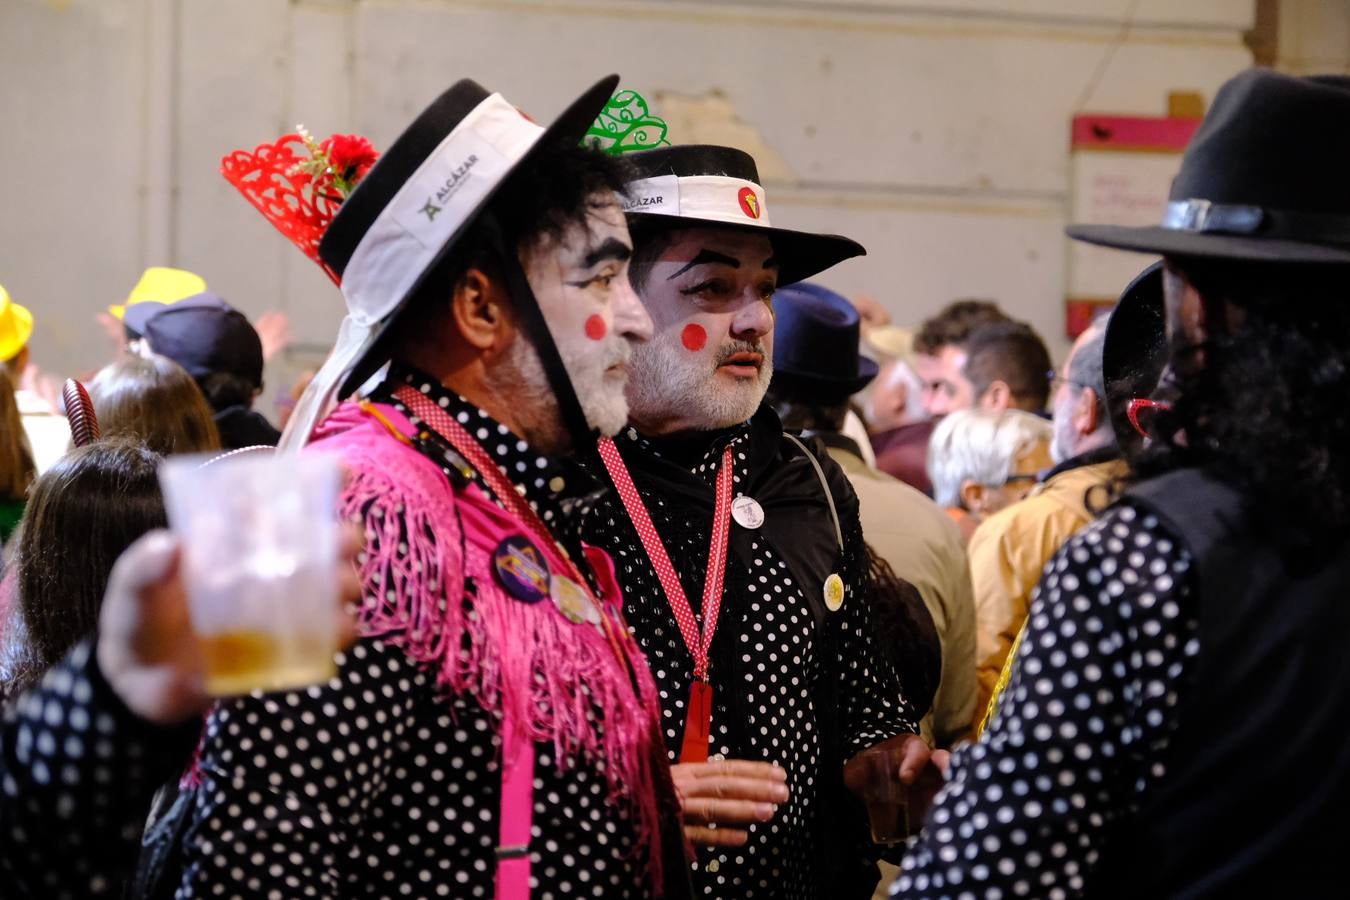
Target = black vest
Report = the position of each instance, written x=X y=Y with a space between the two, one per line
x=1255 y=799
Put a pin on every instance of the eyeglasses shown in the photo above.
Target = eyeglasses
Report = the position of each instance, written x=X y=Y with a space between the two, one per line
x=1055 y=379
x=1141 y=412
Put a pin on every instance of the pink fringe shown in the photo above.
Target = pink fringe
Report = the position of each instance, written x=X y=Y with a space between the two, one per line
x=559 y=680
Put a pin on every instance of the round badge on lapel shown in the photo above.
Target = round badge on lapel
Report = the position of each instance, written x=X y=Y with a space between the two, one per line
x=834 y=592
x=747 y=512
x=522 y=569
x=571 y=600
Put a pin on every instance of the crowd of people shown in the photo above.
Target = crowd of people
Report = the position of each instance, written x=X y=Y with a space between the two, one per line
x=666 y=560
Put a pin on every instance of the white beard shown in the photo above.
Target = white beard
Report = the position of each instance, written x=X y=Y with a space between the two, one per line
x=667 y=382
x=602 y=397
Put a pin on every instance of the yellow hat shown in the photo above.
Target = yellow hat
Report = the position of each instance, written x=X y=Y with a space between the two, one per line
x=16 y=326
x=160 y=284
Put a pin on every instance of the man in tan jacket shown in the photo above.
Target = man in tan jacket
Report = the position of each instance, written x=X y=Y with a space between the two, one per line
x=1009 y=550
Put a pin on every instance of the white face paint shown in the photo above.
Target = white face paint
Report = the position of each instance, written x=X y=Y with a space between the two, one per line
x=581 y=283
x=710 y=363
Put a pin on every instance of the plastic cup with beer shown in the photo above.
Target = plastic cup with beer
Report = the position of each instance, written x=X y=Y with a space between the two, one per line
x=260 y=543
x=885 y=795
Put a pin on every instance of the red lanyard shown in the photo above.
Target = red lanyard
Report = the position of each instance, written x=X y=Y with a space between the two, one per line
x=699 y=720
x=473 y=453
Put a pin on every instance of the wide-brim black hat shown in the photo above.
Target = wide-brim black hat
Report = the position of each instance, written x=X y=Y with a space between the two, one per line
x=700 y=185
x=1134 y=351
x=410 y=211
x=1262 y=179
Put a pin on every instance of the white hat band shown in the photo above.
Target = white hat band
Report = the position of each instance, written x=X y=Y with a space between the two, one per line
x=412 y=229
x=717 y=198
x=432 y=205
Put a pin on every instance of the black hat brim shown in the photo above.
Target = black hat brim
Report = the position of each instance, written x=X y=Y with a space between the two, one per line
x=800 y=254
x=571 y=127
x=1207 y=245
x=1134 y=350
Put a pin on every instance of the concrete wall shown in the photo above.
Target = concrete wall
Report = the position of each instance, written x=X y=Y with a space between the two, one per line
x=1314 y=36
x=936 y=133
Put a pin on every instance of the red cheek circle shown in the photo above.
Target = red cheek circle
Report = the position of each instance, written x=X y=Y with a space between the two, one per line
x=694 y=338
x=596 y=329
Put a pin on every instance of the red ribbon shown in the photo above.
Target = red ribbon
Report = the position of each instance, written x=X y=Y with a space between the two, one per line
x=698 y=721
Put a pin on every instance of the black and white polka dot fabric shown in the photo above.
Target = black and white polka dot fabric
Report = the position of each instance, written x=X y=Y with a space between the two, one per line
x=766 y=662
x=1076 y=743
x=378 y=785
x=77 y=774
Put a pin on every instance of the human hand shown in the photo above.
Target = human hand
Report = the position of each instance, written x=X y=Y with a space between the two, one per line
x=147 y=649
x=274 y=331
x=116 y=333
x=926 y=786
x=914 y=756
x=870 y=310
x=732 y=792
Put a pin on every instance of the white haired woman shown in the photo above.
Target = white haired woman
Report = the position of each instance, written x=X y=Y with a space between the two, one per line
x=981 y=461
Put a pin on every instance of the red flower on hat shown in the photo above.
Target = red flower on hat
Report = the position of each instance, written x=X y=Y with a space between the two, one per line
x=298 y=184
x=350 y=155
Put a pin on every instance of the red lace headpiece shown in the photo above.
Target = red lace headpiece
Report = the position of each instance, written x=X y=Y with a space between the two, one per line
x=298 y=185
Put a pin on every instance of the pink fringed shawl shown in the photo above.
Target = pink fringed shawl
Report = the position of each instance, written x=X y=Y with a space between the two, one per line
x=558 y=681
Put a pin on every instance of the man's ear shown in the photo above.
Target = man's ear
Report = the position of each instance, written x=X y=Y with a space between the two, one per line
x=1085 y=409
x=972 y=496
x=997 y=397
x=481 y=312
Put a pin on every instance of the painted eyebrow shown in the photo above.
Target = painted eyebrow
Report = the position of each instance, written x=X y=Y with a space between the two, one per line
x=704 y=258
x=612 y=248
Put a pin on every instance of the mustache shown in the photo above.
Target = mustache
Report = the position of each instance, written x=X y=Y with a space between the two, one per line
x=731 y=349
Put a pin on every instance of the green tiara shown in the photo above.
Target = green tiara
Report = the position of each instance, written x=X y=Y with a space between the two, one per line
x=626 y=125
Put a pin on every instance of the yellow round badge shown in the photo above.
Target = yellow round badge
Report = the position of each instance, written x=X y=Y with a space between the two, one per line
x=834 y=593
x=571 y=600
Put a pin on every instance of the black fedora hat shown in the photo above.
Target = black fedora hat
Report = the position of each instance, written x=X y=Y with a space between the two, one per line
x=1134 y=351
x=698 y=185
x=410 y=211
x=1262 y=180
x=815 y=344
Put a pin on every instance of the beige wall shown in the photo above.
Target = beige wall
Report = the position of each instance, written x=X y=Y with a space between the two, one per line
x=1314 y=36
x=936 y=133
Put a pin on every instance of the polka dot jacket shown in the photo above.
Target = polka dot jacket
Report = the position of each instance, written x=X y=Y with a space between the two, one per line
x=767 y=661
x=77 y=774
x=376 y=785
x=1079 y=736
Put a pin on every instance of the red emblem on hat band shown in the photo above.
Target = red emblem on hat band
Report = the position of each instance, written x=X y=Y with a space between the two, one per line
x=749 y=201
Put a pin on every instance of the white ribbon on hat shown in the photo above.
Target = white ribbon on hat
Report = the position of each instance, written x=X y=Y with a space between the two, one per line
x=404 y=240
x=717 y=198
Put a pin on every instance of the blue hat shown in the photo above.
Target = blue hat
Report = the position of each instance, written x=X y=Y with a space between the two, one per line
x=815 y=344
x=203 y=334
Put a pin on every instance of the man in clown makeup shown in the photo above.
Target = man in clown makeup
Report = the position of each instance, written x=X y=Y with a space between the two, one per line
x=746 y=580
x=495 y=730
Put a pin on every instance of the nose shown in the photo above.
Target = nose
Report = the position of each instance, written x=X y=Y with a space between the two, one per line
x=630 y=315
x=934 y=403
x=753 y=319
